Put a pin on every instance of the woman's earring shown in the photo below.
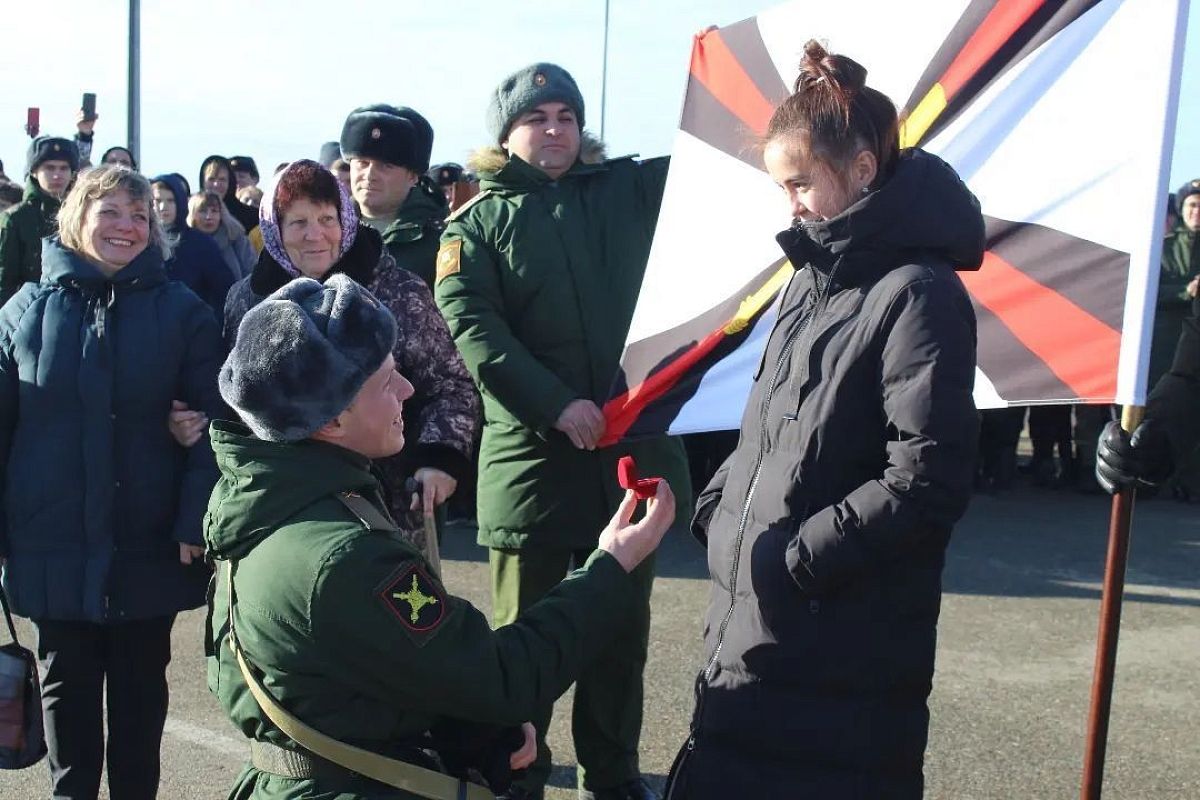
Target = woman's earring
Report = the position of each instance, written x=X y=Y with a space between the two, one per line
x=866 y=190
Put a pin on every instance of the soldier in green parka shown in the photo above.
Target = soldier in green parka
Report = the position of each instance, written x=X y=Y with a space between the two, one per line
x=1177 y=280
x=340 y=619
x=538 y=277
x=1177 y=290
x=50 y=170
x=388 y=148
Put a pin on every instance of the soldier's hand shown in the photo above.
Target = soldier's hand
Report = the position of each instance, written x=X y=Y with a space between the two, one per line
x=189 y=553
x=582 y=422
x=522 y=758
x=436 y=488
x=1123 y=460
x=630 y=543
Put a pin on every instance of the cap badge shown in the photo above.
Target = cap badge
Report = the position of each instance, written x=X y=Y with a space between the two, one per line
x=57 y=147
x=539 y=79
x=376 y=133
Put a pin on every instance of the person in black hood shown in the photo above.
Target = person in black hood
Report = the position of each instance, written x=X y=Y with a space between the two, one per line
x=217 y=175
x=827 y=527
x=121 y=156
x=195 y=260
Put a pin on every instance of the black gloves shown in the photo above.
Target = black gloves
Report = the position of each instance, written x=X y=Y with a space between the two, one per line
x=1122 y=461
x=478 y=752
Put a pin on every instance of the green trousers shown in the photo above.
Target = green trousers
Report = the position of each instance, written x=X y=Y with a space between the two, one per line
x=606 y=721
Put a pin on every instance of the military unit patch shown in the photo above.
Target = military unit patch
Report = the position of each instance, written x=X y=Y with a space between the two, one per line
x=449 y=258
x=416 y=600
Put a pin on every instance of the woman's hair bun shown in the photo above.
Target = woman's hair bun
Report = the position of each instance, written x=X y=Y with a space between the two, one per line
x=843 y=75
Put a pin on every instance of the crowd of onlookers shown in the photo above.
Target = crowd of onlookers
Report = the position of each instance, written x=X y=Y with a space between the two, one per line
x=511 y=318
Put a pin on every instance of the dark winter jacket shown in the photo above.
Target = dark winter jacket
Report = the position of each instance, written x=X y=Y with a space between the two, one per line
x=826 y=529
x=413 y=237
x=195 y=260
x=442 y=417
x=1175 y=398
x=22 y=229
x=247 y=215
x=539 y=293
x=1180 y=264
x=352 y=632
x=97 y=493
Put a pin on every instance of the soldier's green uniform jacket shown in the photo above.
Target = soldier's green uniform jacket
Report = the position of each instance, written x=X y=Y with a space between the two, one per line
x=538 y=280
x=412 y=238
x=354 y=636
x=22 y=228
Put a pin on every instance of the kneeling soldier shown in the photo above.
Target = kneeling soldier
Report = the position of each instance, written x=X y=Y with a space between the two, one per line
x=334 y=647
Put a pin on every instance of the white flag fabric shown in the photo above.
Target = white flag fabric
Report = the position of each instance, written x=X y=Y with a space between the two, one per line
x=1058 y=116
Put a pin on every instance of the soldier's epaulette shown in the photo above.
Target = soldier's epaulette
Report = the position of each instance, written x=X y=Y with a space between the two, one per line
x=458 y=212
x=371 y=517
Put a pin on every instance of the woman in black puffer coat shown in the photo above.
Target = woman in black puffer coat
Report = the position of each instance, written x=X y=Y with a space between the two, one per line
x=827 y=527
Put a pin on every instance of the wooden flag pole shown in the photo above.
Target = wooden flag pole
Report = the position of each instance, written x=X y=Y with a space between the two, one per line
x=1110 y=628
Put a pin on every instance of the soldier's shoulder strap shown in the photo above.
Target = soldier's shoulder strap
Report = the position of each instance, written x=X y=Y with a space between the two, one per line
x=366 y=512
x=458 y=212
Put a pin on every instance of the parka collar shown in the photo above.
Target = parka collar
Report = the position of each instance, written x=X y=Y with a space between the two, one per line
x=34 y=193
x=63 y=267
x=923 y=209
x=498 y=170
x=265 y=483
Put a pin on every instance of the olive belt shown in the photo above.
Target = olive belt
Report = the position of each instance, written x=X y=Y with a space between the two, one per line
x=293 y=764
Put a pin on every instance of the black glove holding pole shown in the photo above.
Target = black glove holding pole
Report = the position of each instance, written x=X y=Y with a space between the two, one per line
x=1123 y=460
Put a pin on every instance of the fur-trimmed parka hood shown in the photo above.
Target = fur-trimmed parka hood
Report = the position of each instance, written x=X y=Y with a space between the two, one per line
x=492 y=158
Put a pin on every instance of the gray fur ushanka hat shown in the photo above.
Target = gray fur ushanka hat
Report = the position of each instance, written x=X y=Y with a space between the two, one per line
x=525 y=90
x=303 y=354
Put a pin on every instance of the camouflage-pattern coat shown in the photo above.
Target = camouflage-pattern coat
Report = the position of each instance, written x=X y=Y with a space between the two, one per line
x=441 y=419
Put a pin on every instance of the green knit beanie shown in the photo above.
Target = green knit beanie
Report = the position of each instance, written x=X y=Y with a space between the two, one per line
x=527 y=89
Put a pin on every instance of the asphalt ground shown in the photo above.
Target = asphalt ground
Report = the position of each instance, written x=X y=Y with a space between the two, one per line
x=1014 y=669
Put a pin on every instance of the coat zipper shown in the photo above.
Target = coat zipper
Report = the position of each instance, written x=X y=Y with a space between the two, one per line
x=706 y=674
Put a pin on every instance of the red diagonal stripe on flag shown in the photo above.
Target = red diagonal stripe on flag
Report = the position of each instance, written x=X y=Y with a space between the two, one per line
x=623 y=410
x=1078 y=348
x=717 y=68
x=1004 y=20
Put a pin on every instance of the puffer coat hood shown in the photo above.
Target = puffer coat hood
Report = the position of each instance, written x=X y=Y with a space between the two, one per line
x=247 y=215
x=196 y=260
x=924 y=209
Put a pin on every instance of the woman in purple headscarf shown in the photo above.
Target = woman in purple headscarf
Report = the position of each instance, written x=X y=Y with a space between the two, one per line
x=310 y=228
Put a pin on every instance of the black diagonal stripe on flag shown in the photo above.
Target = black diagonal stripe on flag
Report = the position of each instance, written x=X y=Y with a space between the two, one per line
x=643 y=362
x=745 y=41
x=1014 y=370
x=1087 y=274
x=730 y=116
x=993 y=53
x=706 y=118
x=959 y=35
x=1060 y=302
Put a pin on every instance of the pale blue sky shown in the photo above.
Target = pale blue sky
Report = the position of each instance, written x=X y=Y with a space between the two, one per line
x=262 y=78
